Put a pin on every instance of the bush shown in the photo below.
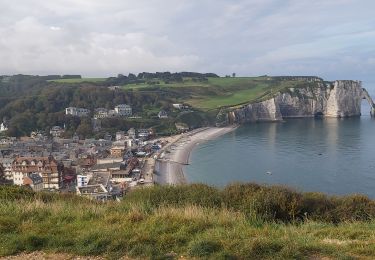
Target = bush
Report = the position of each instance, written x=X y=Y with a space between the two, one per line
x=10 y=193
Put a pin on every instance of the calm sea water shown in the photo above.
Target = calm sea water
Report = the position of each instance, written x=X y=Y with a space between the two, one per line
x=335 y=156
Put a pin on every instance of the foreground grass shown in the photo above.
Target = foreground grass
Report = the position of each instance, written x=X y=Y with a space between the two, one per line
x=192 y=221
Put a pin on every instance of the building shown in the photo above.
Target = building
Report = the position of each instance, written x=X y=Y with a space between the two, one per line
x=56 y=131
x=34 y=181
x=132 y=133
x=96 y=192
x=7 y=167
x=145 y=133
x=180 y=106
x=3 y=127
x=120 y=135
x=101 y=113
x=82 y=180
x=46 y=167
x=76 y=111
x=118 y=151
x=182 y=127
x=163 y=114
x=123 y=110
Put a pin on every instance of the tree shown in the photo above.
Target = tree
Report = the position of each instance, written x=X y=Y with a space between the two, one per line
x=233 y=75
x=2 y=175
x=85 y=128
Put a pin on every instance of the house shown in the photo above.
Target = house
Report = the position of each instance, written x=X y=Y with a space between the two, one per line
x=112 y=113
x=145 y=133
x=86 y=161
x=34 y=181
x=132 y=133
x=123 y=110
x=101 y=113
x=46 y=167
x=82 y=180
x=114 y=87
x=163 y=114
x=3 y=127
x=120 y=176
x=107 y=136
x=118 y=151
x=56 y=131
x=75 y=138
x=182 y=127
x=7 y=167
x=76 y=111
x=120 y=135
x=96 y=192
x=180 y=106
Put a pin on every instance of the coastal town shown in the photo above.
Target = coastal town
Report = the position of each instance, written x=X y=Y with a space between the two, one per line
x=101 y=169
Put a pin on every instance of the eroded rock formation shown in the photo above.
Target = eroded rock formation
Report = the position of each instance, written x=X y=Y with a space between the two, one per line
x=340 y=99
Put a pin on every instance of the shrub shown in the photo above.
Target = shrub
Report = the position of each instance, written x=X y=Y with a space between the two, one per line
x=10 y=193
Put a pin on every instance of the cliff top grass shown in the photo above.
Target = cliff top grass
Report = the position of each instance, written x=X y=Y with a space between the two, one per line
x=242 y=221
x=217 y=93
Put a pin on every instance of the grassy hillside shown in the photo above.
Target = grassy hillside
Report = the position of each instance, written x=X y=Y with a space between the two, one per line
x=243 y=221
x=216 y=93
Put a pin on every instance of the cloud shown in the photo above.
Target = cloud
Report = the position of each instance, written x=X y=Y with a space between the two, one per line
x=99 y=38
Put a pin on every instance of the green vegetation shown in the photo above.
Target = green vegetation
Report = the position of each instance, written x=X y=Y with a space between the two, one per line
x=33 y=103
x=242 y=221
x=78 y=80
x=215 y=93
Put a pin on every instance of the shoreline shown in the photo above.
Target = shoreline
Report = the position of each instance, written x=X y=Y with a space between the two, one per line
x=169 y=166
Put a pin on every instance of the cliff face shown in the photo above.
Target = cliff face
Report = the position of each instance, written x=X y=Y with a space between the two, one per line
x=342 y=99
x=263 y=111
x=345 y=99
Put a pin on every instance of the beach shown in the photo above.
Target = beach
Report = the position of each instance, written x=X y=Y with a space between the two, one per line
x=170 y=163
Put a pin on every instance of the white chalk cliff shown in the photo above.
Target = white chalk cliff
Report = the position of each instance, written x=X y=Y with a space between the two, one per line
x=340 y=99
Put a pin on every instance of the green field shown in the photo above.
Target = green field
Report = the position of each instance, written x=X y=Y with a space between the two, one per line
x=242 y=221
x=221 y=92
x=78 y=80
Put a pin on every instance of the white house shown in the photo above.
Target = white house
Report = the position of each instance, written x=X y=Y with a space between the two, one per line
x=123 y=110
x=82 y=180
x=180 y=106
x=76 y=111
x=3 y=127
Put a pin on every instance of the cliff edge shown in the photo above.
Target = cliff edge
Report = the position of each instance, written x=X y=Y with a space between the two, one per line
x=341 y=98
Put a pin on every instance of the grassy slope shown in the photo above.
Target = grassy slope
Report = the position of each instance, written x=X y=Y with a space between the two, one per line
x=221 y=92
x=193 y=221
x=78 y=80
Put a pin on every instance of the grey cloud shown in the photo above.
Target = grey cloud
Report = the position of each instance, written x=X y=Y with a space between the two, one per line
x=330 y=38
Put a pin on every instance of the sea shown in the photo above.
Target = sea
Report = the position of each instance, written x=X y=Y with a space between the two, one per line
x=330 y=155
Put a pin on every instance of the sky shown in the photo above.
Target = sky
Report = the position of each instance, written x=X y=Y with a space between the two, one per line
x=334 y=39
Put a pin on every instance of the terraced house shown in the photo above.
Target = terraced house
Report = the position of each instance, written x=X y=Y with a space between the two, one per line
x=48 y=168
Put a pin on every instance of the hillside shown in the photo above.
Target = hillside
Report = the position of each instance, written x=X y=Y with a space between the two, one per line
x=33 y=103
x=215 y=93
x=242 y=221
